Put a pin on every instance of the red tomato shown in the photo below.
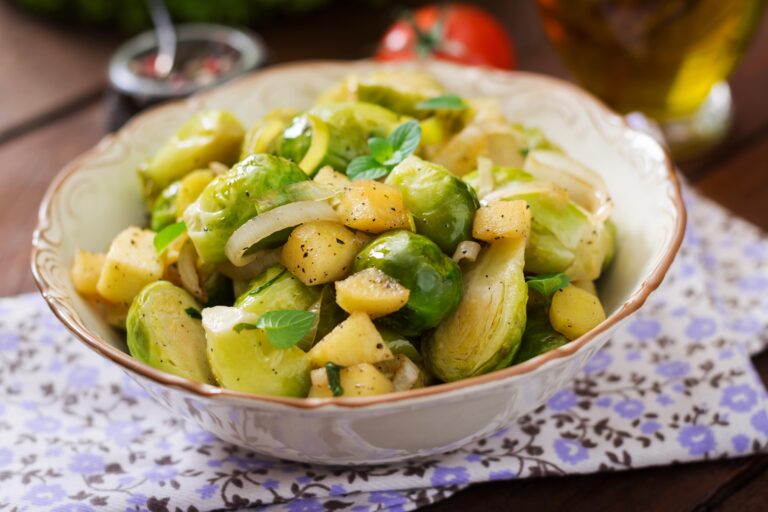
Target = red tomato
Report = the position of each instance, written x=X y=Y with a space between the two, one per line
x=456 y=32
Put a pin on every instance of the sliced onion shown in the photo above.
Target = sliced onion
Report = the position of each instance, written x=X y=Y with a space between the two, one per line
x=584 y=186
x=272 y=221
x=466 y=250
x=406 y=376
x=261 y=262
x=485 y=176
x=518 y=188
x=301 y=191
x=187 y=266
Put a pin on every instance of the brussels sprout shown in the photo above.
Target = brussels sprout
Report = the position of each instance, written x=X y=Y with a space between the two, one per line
x=164 y=209
x=539 y=336
x=329 y=314
x=278 y=289
x=398 y=344
x=262 y=135
x=164 y=330
x=484 y=333
x=398 y=90
x=433 y=279
x=350 y=125
x=231 y=199
x=210 y=136
x=443 y=206
x=243 y=359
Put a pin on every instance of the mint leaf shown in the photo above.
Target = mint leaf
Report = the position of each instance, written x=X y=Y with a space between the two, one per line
x=286 y=327
x=193 y=313
x=366 y=168
x=243 y=326
x=547 y=284
x=334 y=380
x=524 y=152
x=167 y=235
x=380 y=149
x=449 y=102
x=404 y=141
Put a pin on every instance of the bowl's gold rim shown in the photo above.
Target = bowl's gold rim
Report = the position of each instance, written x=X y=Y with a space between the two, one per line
x=631 y=305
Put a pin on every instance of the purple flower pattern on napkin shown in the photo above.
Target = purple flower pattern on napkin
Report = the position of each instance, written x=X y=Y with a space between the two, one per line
x=674 y=385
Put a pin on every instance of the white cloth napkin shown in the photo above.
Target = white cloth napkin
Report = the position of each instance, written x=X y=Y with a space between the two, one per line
x=675 y=385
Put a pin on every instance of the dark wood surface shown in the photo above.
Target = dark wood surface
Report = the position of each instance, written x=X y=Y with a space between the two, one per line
x=52 y=107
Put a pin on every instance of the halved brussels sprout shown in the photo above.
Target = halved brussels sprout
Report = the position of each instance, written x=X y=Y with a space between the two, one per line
x=539 y=336
x=209 y=136
x=164 y=330
x=243 y=359
x=484 y=333
x=397 y=90
x=443 y=206
x=164 y=210
x=350 y=125
x=500 y=176
x=278 y=289
x=433 y=279
x=231 y=199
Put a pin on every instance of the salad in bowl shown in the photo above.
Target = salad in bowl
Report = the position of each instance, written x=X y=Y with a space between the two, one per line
x=392 y=236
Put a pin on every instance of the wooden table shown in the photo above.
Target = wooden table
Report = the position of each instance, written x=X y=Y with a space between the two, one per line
x=52 y=108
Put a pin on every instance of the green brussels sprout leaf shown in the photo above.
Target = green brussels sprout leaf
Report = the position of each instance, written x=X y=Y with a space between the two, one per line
x=547 y=284
x=286 y=327
x=448 y=102
x=193 y=313
x=266 y=285
x=167 y=235
x=334 y=380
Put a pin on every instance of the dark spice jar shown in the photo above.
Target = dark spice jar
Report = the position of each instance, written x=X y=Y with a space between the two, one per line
x=206 y=55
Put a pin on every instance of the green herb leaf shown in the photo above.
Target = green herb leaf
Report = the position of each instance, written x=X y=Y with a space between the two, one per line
x=380 y=149
x=243 y=326
x=524 y=152
x=404 y=141
x=193 y=313
x=334 y=380
x=286 y=327
x=268 y=283
x=366 y=168
x=547 y=284
x=167 y=235
x=449 y=102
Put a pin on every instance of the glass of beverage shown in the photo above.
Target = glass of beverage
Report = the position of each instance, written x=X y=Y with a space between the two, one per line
x=668 y=59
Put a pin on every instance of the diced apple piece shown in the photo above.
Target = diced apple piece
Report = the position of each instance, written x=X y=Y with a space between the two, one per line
x=374 y=207
x=575 y=311
x=353 y=341
x=85 y=273
x=320 y=252
x=130 y=265
x=502 y=219
x=371 y=291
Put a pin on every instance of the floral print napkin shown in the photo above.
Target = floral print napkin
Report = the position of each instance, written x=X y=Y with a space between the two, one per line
x=675 y=385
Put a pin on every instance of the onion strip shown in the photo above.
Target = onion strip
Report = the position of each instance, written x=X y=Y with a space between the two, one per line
x=272 y=221
x=187 y=267
x=519 y=188
x=466 y=250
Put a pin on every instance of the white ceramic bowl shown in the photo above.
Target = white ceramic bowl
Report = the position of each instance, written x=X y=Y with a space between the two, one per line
x=97 y=195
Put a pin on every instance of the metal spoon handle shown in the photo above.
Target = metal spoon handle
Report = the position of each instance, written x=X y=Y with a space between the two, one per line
x=166 y=37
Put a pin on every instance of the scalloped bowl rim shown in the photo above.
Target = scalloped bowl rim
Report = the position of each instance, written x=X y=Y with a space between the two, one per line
x=629 y=306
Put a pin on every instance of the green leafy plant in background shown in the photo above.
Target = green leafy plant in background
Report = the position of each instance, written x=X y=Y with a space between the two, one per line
x=132 y=15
